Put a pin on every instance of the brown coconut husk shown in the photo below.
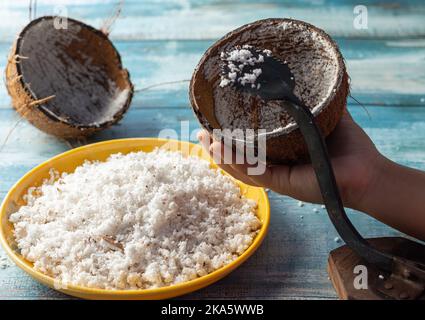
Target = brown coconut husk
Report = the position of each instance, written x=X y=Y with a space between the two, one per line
x=67 y=82
x=286 y=146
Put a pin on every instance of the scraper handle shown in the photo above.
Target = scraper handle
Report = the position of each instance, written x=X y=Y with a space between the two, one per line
x=326 y=178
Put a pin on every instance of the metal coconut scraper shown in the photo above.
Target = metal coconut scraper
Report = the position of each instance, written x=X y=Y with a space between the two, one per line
x=395 y=266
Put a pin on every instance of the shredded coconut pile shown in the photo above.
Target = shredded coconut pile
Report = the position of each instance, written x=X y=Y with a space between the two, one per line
x=236 y=62
x=140 y=220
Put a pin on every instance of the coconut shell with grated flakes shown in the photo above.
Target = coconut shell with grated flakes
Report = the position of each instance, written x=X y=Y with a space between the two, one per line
x=67 y=82
x=320 y=76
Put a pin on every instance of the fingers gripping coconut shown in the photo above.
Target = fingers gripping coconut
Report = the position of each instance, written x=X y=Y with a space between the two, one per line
x=321 y=83
x=67 y=82
x=302 y=71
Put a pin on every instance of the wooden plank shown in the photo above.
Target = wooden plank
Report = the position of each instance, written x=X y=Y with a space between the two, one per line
x=383 y=72
x=210 y=19
x=343 y=260
x=15 y=284
x=390 y=128
x=291 y=263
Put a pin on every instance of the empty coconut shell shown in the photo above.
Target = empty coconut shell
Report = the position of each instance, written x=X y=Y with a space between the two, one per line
x=67 y=82
x=321 y=82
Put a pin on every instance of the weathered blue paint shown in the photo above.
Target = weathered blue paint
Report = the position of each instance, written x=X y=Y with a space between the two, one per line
x=201 y=19
x=387 y=75
x=383 y=72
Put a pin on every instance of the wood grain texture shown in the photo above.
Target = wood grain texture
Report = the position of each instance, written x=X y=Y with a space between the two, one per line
x=210 y=19
x=382 y=72
x=343 y=260
x=390 y=128
x=291 y=263
x=387 y=75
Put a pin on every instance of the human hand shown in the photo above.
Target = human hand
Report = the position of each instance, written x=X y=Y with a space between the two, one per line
x=355 y=160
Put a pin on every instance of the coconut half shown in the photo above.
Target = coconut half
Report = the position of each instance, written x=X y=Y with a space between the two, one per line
x=67 y=82
x=320 y=77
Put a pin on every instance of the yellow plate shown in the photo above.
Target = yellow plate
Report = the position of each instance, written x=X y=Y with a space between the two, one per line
x=67 y=162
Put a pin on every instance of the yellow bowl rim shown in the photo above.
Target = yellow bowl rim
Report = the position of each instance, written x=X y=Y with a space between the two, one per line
x=186 y=287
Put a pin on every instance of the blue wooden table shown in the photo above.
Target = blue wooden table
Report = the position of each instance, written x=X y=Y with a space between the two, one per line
x=162 y=41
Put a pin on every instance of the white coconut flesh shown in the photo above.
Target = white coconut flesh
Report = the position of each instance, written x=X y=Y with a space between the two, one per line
x=64 y=63
x=312 y=58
